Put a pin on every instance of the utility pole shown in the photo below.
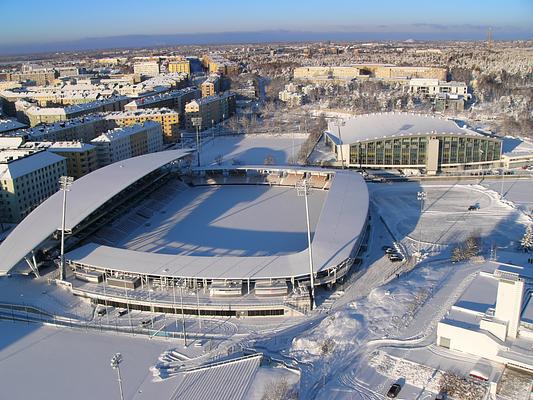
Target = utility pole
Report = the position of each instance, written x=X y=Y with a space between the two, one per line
x=115 y=364
x=64 y=183
x=302 y=190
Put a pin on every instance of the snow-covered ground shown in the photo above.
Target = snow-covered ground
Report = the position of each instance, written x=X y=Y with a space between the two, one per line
x=385 y=309
x=251 y=149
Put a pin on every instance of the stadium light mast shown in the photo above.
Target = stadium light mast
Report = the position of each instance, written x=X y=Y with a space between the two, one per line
x=197 y=122
x=115 y=364
x=421 y=196
x=64 y=184
x=338 y=123
x=302 y=190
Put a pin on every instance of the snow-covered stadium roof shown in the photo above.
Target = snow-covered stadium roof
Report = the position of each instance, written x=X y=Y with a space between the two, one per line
x=340 y=226
x=86 y=195
x=386 y=125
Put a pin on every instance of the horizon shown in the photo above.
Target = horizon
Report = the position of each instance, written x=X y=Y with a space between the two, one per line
x=62 y=26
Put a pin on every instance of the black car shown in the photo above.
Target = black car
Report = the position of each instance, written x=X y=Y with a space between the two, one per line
x=473 y=208
x=122 y=312
x=394 y=390
x=101 y=312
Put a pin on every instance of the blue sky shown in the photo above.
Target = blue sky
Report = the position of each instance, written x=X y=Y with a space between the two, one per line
x=41 y=21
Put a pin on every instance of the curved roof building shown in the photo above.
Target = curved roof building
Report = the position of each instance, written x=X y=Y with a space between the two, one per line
x=99 y=189
x=403 y=140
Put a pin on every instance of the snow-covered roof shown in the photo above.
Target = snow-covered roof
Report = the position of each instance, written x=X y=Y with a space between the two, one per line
x=227 y=380
x=86 y=195
x=128 y=130
x=15 y=163
x=7 y=125
x=340 y=226
x=387 y=125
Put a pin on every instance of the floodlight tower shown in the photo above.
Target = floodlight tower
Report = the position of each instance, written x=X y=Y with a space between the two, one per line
x=64 y=183
x=197 y=122
x=115 y=364
x=302 y=190
x=421 y=197
x=338 y=123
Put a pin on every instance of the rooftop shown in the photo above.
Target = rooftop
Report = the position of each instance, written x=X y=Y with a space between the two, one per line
x=386 y=125
x=121 y=132
x=7 y=125
x=15 y=163
x=339 y=227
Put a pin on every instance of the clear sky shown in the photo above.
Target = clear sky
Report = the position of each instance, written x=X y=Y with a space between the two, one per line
x=41 y=21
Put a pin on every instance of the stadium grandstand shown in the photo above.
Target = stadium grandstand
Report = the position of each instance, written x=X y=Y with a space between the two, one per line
x=231 y=241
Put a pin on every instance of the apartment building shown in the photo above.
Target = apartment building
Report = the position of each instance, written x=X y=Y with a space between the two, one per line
x=174 y=99
x=147 y=68
x=81 y=157
x=211 y=85
x=129 y=141
x=211 y=110
x=33 y=115
x=183 y=66
x=82 y=129
x=27 y=178
x=41 y=78
x=167 y=118
x=216 y=64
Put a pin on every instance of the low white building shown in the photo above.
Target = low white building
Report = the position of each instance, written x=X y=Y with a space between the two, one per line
x=432 y=87
x=493 y=318
x=129 y=141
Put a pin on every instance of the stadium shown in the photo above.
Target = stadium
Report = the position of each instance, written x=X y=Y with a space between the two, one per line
x=412 y=141
x=150 y=233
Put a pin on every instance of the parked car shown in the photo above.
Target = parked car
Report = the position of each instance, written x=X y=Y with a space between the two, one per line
x=101 y=312
x=395 y=257
x=473 y=208
x=390 y=250
x=122 y=312
x=384 y=248
x=394 y=390
x=146 y=322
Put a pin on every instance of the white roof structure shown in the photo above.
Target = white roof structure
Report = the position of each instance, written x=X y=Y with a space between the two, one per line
x=387 y=125
x=86 y=195
x=227 y=380
x=340 y=226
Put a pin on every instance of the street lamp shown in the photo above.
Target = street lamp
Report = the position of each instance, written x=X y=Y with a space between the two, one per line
x=302 y=189
x=115 y=364
x=197 y=122
x=421 y=196
x=64 y=184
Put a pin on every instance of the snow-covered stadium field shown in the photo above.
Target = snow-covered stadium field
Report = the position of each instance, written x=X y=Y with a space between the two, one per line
x=231 y=220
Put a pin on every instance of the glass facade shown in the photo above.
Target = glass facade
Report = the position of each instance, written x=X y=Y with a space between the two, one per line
x=412 y=151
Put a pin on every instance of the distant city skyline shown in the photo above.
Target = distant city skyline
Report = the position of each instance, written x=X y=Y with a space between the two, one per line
x=69 y=25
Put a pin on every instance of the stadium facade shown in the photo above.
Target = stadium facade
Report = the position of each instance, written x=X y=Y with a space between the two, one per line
x=402 y=140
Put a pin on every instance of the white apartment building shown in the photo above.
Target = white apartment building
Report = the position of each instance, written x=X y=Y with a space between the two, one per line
x=129 y=141
x=147 y=68
x=27 y=178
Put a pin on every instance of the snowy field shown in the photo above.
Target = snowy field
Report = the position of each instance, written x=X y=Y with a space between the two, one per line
x=251 y=149
x=229 y=220
x=385 y=311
